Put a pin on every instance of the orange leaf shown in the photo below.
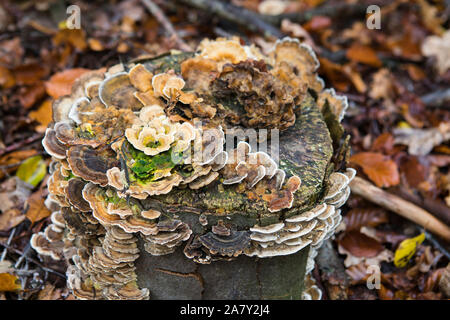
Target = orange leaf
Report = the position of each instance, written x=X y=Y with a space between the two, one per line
x=32 y=94
x=383 y=143
x=61 y=83
x=29 y=74
x=6 y=78
x=36 y=210
x=363 y=54
x=43 y=115
x=9 y=282
x=380 y=169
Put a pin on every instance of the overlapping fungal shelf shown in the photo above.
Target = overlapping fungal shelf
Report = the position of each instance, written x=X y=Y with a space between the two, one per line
x=126 y=151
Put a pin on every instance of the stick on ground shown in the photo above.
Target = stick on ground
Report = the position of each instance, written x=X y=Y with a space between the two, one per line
x=161 y=17
x=400 y=206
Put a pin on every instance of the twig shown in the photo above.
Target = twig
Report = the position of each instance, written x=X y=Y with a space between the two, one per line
x=437 y=99
x=11 y=235
x=247 y=19
x=437 y=208
x=435 y=243
x=20 y=144
x=161 y=17
x=339 y=10
x=400 y=206
x=16 y=251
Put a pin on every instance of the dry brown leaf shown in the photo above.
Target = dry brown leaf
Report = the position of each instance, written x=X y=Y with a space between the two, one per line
x=61 y=83
x=12 y=52
x=49 y=292
x=363 y=54
x=438 y=47
x=35 y=208
x=359 y=217
x=9 y=282
x=29 y=74
x=384 y=143
x=360 y=245
x=32 y=94
x=75 y=37
x=43 y=115
x=272 y=7
x=382 y=86
x=431 y=17
x=420 y=142
x=380 y=169
x=6 y=78
x=10 y=218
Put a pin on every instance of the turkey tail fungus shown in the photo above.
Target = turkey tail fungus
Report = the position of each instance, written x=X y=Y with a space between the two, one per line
x=151 y=199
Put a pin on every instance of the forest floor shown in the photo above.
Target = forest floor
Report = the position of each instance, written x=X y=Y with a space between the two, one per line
x=395 y=74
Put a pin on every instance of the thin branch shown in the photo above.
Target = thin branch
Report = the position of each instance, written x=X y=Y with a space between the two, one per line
x=400 y=206
x=437 y=99
x=16 y=251
x=20 y=144
x=161 y=17
x=342 y=11
x=247 y=19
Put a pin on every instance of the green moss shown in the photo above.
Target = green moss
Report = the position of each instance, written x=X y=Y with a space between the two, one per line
x=144 y=167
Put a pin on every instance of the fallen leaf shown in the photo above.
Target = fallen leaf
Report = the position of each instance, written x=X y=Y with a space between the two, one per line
x=381 y=170
x=12 y=52
x=43 y=115
x=74 y=37
x=420 y=142
x=359 y=217
x=360 y=245
x=60 y=83
x=9 y=282
x=6 y=78
x=9 y=160
x=32 y=170
x=439 y=47
x=318 y=23
x=272 y=7
x=32 y=94
x=384 y=143
x=10 y=218
x=385 y=294
x=29 y=74
x=406 y=250
x=14 y=193
x=297 y=31
x=363 y=54
x=382 y=86
x=35 y=208
x=431 y=17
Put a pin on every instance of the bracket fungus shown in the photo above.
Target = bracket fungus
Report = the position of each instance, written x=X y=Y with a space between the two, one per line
x=146 y=187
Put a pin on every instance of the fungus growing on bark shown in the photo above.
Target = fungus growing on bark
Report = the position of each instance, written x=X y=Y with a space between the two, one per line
x=135 y=177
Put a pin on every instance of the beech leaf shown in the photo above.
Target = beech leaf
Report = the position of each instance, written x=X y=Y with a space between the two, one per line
x=379 y=168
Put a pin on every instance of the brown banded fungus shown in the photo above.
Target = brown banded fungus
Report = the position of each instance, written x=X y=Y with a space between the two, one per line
x=151 y=199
